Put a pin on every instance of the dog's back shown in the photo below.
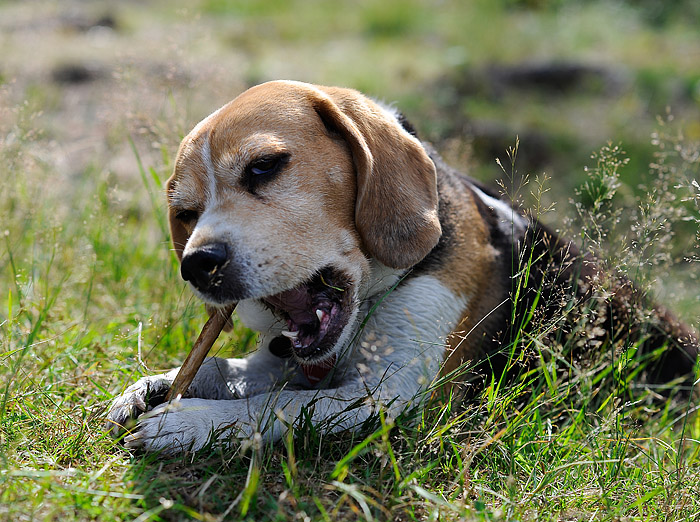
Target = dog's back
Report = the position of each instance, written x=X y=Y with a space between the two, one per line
x=543 y=283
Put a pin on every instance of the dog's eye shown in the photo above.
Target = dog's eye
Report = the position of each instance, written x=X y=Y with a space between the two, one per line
x=187 y=216
x=264 y=169
x=264 y=166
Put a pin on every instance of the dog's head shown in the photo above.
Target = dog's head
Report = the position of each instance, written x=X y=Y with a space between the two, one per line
x=285 y=193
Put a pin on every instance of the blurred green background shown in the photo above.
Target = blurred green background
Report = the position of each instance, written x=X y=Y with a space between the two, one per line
x=565 y=76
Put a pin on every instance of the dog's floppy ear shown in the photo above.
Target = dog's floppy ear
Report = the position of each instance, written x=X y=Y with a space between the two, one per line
x=396 y=211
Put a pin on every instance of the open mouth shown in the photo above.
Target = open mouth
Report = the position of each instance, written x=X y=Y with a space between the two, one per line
x=316 y=313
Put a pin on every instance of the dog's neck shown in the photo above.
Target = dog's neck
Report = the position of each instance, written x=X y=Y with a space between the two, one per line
x=381 y=279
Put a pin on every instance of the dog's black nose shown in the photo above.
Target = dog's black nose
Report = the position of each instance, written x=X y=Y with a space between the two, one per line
x=201 y=267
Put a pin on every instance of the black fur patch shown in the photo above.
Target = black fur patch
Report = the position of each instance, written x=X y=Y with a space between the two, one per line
x=407 y=125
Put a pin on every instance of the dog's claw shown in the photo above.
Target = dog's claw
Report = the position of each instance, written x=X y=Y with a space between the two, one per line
x=138 y=398
x=139 y=405
x=133 y=441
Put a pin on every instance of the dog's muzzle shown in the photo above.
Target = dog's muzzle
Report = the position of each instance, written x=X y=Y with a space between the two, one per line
x=316 y=311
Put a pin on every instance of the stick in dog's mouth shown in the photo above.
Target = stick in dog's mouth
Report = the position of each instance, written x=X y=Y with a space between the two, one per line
x=188 y=370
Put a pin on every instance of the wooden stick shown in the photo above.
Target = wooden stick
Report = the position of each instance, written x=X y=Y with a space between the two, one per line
x=199 y=351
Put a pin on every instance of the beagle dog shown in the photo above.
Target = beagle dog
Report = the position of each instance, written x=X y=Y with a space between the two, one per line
x=370 y=269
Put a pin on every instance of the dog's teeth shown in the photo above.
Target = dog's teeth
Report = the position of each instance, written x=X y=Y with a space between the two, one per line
x=291 y=335
x=320 y=314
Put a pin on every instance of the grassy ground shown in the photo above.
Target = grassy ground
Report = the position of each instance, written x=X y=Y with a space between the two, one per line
x=94 y=98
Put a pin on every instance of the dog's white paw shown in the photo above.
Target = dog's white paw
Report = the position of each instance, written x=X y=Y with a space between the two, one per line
x=183 y=425
x=138 y=398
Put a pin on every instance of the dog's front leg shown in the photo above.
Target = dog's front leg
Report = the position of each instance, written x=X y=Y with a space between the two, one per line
x=217 y=379
x=190 y=423
x=370 y=383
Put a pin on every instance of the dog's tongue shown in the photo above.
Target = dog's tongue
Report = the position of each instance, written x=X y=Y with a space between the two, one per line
x=315 y=373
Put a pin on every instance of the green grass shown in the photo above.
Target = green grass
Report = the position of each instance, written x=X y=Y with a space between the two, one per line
x=87 y=274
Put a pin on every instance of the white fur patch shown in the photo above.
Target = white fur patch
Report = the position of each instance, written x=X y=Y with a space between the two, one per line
x=210 y=173
x=254 y=315
x=510 y=221
x=380 y=280
x=404 y=339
